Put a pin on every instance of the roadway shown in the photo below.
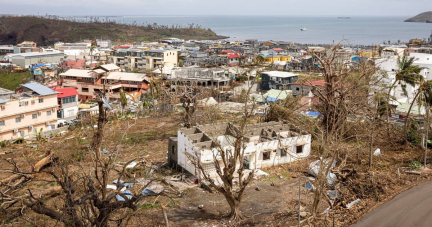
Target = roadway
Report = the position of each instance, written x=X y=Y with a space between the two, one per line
x=412 y=207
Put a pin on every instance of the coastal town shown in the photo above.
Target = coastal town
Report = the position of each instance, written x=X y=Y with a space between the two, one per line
x=185 y=132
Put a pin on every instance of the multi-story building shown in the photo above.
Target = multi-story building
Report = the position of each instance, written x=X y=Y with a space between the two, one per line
x=67 y=102
x=6 y=49
x=90 y=83
x=74 y=46
x=277 y=80
x=103 y=43
x=32 y=109
x=266 y=145
x=215 y=78
x=144 y=59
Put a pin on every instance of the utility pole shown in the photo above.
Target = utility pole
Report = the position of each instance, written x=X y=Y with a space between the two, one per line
x=299 y=206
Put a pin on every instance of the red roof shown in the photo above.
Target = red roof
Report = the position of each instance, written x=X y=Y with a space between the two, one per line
x=66 y=92
x=228 y=52
x=319 y=83
x=233 y=56
x=278 y=49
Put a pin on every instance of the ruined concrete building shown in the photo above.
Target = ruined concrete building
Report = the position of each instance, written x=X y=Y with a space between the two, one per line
x=266 y=144
x=202 y=77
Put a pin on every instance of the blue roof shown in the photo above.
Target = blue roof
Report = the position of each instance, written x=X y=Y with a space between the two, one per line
x=3 y=101
x=40 y=89
x=37 y=66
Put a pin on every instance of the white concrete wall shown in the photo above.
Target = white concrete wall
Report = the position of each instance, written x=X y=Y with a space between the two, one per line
x=185 y=147
x=254 y=151
x=12 y=111
x=257 y=162
x=390 y=66
x=70 y=112
x=170 y=58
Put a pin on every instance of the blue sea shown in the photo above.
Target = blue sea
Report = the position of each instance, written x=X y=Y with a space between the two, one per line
x=320 y=29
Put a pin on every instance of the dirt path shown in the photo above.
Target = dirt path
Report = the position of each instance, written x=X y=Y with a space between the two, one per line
x=410 y=208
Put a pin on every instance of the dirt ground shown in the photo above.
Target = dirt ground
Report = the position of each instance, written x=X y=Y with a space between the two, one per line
x=269 y=201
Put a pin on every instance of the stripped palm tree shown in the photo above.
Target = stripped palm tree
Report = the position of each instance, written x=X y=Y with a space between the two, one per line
x=407 y=74
x=423 y=98
x=93 y=47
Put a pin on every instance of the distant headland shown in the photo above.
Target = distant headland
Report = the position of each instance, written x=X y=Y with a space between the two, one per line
x=46 y=31
x=425 y=17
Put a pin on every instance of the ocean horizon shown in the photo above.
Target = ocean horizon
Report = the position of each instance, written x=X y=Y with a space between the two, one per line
x=359 y=30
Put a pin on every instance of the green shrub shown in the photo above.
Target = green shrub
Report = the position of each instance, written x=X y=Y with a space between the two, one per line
x=414 y=165
x=413 y=135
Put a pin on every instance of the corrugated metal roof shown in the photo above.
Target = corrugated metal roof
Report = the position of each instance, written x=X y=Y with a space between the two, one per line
x=274 y=95
x=99 y=71
x=3 y=101
x=77 y=73
x=127 y=76
x=110 y=67
x=40 y=89
x=280 y=74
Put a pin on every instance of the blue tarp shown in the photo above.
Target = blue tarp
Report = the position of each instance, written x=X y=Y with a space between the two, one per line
x=37 y=66
x=270 y=99
x=313 y=113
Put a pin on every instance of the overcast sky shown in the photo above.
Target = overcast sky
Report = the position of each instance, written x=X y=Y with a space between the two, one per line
x=220 y=7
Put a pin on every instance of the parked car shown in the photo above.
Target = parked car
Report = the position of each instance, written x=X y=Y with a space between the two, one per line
x=61 y=123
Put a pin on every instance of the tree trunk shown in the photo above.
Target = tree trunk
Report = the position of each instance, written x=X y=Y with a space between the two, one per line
x=372 y=137
x=387 y=107
x=235 y=213
x=371 y=143
x=407 y=117
x=97 y=139
x=427 y=135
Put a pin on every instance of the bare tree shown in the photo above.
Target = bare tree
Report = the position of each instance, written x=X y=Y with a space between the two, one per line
x=228 y=164
x=81 y=197
x=344 y=101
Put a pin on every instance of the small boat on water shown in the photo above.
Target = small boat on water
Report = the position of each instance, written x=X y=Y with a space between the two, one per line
x=304 y=29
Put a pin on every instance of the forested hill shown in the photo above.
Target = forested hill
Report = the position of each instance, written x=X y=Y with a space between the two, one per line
x=45 y=31
x=422 y=17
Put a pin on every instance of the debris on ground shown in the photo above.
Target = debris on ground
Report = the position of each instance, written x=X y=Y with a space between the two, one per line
x=258 y=174
x=182 y=182
x=349 y=205
x=314 y=169
x=131 y=165
x=333 y=194
x=309 y=186
x=377 y=152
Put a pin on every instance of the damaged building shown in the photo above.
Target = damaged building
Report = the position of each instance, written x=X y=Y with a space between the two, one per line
x=201 y=77
x=266 y=145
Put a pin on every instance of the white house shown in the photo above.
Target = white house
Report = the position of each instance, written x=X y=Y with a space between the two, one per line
x=266 y=145
x=68 y=103
x=390 y=66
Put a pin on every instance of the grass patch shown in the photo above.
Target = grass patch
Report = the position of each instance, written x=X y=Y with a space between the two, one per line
x=11 y=81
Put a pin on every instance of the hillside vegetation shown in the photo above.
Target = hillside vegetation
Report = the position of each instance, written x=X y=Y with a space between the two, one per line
x=45 y=31
x=12 y=80
x=422 y=17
